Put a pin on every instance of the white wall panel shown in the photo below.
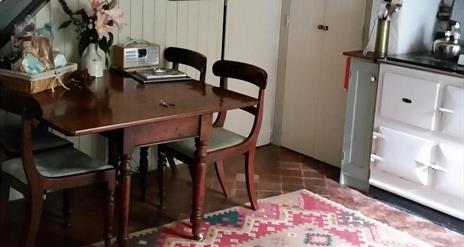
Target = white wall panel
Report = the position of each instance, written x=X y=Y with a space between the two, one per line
x=213 y=31
x=125 y=33
x=160 y=23
x=148 y=23
x=137 y=19
x=171 y=23
x=253 y=37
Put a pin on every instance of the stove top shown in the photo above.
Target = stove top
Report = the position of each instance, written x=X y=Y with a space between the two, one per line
x=427 y=60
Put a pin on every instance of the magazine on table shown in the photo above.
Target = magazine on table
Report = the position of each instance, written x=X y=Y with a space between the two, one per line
x=159 y=75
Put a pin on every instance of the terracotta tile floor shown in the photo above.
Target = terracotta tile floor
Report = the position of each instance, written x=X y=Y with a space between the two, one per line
x=277 y=171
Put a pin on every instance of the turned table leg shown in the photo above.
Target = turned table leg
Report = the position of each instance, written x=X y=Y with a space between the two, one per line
x=124 y=189
x=198 y=191
x=199 y=176
x=143 y=168
x=161 y=165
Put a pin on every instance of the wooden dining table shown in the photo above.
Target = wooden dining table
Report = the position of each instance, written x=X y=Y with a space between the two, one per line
x=132 y=114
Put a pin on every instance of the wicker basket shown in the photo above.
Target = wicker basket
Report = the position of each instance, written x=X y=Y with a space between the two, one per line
x=31 y=84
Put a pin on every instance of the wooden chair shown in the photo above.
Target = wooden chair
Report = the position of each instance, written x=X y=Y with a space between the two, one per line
x=176 y=56
x=187 y=57
x=60 y=169
x=224 y=143
x=42 y=140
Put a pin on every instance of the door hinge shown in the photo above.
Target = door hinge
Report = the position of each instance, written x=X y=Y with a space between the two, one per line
x=286 y=20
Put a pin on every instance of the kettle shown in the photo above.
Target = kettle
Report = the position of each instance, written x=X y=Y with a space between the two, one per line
x=449 y=48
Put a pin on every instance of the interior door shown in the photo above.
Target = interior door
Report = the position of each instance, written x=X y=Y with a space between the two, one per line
x=314 y=99
x=303 y=66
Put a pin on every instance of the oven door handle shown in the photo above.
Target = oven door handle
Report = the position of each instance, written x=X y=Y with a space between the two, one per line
x=445 y=110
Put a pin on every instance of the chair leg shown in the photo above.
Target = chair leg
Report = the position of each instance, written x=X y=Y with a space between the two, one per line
x=4 y=196
x=191 y=171
x=219 y=165
x=35 y=215
x=172 y=164
x=67 y=199
x=250 y=181
x=161 y=165
x=109 y=213
x=143 y=172
x=113 y=158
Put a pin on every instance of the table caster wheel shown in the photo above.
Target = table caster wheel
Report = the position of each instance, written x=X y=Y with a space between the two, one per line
x=199 y=237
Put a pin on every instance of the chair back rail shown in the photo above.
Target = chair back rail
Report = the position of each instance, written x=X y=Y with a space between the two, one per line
x=187 y=57
x=29 y=109
x=19 y=104
x=32 y=174
x=247 y=73
x=241 y=71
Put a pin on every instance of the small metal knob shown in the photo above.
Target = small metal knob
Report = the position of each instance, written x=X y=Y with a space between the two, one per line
x=373 y=79
x=326 y=28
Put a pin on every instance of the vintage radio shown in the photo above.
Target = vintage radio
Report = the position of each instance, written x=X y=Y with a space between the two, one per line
x=134 y=55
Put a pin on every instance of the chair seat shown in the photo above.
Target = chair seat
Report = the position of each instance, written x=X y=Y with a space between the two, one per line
x=220 y=138
x=61 y=162
x=43 y=140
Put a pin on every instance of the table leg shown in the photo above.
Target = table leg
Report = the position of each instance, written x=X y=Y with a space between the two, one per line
x=124 y=189
x=161 y=165
x=199 y=176
x=143 y=172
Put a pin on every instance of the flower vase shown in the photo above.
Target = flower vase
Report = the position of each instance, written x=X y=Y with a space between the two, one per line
x=93 y=61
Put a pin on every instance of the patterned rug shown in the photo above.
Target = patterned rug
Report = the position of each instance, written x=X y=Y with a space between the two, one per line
x=299 y=218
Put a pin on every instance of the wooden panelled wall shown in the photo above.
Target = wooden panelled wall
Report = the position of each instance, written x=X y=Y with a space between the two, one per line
x=253 y=36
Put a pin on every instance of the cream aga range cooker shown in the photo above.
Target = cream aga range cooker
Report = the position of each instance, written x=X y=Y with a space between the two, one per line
x=418 y=139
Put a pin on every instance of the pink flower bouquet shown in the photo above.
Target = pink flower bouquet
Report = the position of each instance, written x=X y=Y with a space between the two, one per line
x=95 y=23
